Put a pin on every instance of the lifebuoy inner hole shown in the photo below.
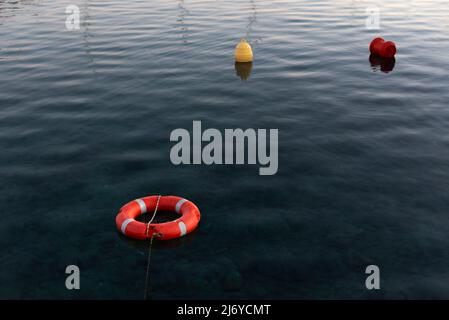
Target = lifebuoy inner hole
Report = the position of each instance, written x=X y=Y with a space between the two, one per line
x=161 y=216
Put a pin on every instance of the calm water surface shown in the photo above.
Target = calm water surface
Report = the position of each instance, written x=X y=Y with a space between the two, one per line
x=85 y=120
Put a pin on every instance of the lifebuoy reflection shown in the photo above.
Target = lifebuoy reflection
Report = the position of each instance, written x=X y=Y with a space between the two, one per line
x=162 y=216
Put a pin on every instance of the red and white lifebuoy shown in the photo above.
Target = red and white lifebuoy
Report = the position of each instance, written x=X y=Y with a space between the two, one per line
x=126 y=223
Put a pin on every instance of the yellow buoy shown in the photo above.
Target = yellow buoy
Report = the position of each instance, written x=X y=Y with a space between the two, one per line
x=243 y=52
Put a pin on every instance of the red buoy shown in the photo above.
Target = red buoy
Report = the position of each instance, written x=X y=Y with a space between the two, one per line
x=380 y=47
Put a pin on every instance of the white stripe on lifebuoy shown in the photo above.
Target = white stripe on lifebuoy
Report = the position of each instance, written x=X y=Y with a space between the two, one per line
x=142 y=205
x=179 y=204
x=182 y=228
x=124 y=224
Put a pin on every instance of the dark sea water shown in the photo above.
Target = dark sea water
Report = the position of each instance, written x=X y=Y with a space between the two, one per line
x=85 y=121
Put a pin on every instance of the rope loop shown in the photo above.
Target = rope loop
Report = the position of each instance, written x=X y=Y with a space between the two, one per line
x=154 y=235
x=154 y=215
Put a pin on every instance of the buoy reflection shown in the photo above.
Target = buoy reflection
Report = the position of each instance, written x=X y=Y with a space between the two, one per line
x=243 y=69
x=385 y=65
